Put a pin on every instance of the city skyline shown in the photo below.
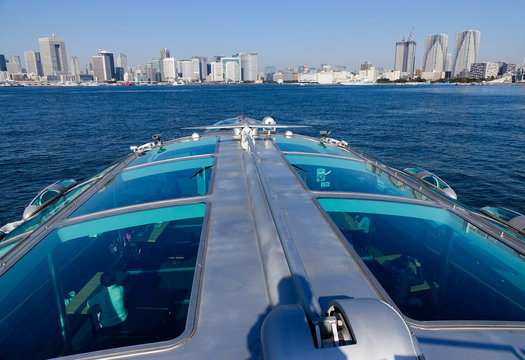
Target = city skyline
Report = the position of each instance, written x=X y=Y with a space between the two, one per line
x=284 y=35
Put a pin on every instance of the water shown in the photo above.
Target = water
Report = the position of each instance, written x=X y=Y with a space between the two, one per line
x=471 y=136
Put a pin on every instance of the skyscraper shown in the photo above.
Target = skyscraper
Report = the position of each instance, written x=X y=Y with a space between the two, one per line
x=122 y=61
x=103 y=66
x=156 y=63
x=15 y=59
x=186 y=69
x=231 y=69
x=200 y=67
x=53 y=55
x=405 y=56
x=74 y=66
x=164 y=53
x=435 y=55
x=122 y=65
x=33 y=63
x=3 y=64
x=465 y=52
x=248 y=66
x=169 y=69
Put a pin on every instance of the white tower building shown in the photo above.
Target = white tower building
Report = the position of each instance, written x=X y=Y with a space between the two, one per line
x=465 y=52
x=435 y=55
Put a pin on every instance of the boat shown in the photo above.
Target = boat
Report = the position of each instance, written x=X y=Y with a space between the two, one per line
x=244 y=240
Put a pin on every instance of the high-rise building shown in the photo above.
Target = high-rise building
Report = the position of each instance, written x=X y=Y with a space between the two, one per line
x=465 y=52
x=248 y=66
x=103 y=66
x=216 y=71
x=89 y=68
x=405 y=59
x=366 y=65
x=15 y=59
x=268 y=73
x=33 y=63
x=53 y=55
x=122 y=61
x=448 y=63
x=200 y=67
x=74 y=66
x=169 y=69
x=122 y=65
x=186 y=69
x=3 y=64
x=109 y=60
x=435 y=54
x=231 y=69
x=164 y=53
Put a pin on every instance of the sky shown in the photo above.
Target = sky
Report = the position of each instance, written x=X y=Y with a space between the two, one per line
x=284 y=33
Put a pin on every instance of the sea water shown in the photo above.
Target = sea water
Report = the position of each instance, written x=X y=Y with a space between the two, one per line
x=471 y=136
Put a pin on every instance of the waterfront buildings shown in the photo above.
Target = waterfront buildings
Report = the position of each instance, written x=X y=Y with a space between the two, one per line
x=200 y=68
x=405 y=56
x=15 y=59
x=186 y=70
x=103 y=66
x=122 y=65
x=169 y=67
x=484 y=70
x=366 y=65
x=3 y=64
x=156 y=63
x=216 y=74
x=231 y=69
x=53 y=56
x=435 y=53
x=74 y=66
x=164 y=53
x=33 y=63
x=248 y=66
x=465 y=52
x=268 y=72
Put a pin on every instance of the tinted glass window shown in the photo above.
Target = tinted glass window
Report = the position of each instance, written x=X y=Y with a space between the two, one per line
x=296 y=144
x=206 y=145
x=155 y=182
x=500 y=213
x=111 y=282
x=333 y=174
x=433 y=264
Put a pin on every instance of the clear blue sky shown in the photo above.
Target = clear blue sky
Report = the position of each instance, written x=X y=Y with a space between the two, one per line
x=283 y=32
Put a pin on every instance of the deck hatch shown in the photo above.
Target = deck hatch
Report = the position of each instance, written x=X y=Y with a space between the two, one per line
x=156 y=182
x=321 y=173
x=206 y=145
x=146 y=262
x=433 y=264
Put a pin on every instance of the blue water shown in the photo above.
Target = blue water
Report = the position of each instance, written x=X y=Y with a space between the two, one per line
x=471 y=136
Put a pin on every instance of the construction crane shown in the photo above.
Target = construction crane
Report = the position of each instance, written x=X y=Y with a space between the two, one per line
x=410 y=35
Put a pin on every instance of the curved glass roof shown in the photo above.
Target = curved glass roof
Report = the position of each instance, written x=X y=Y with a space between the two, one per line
x=298 y=144
x=50 y=210
x=116 y=281
x=320 y=173
x=433 y=264
x=205 y=145
x=155 y=182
